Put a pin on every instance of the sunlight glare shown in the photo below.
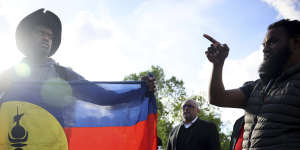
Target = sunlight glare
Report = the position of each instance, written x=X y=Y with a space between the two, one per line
x=57 y=92
x=22 y=70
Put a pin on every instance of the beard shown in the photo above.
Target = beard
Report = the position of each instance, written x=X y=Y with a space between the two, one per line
x=273 y=66
x=188 y=117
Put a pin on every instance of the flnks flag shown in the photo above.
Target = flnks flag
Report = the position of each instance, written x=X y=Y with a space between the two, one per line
x=59 y=115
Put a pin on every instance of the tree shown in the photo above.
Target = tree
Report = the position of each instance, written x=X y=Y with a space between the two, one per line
x=170 y=95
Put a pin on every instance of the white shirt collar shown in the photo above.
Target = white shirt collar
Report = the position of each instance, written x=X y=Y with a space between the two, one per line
x=187 y=125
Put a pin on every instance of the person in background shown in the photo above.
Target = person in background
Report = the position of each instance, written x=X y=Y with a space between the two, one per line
x=193 y=133
x=236 y=139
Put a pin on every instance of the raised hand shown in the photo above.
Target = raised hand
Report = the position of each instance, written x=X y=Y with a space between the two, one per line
x=217 y=52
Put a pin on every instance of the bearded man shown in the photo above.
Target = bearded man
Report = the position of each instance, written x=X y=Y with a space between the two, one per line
x=271 y=103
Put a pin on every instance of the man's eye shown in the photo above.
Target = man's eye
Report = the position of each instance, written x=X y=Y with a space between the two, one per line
x=274 y=41
x=269 y=43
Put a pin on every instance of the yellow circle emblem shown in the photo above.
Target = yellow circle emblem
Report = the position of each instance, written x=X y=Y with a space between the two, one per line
x=25 y=126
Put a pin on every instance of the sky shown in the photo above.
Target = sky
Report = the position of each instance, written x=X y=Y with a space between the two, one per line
x=105 y=40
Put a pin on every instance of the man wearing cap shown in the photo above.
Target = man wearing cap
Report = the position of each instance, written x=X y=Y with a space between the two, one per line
x=38 y=37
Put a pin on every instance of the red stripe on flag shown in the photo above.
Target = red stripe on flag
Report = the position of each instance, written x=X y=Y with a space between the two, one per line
x=141 y=136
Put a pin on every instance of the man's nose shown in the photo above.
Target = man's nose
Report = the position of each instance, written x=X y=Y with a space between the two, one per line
x=185 y=109
x=46 y=37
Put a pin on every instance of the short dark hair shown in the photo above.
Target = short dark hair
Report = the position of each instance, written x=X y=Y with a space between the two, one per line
x=292 y=27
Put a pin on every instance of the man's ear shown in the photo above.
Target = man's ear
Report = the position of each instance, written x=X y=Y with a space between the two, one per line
x=295 y=44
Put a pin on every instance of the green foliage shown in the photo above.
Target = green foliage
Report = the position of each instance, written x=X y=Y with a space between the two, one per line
x=170 y=95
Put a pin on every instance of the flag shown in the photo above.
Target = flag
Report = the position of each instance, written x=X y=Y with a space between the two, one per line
x=60 y=115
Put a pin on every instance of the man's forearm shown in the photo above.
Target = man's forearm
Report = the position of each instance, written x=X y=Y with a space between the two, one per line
x=216 y=87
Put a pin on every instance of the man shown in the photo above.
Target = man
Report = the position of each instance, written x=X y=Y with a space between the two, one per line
x=272 y=102
x=193 y=133
x=236 y=139
x=38 y=37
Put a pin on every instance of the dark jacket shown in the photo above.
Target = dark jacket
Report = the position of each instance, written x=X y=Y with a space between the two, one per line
x=204 y=137
x=272 y=120
x=239 y=123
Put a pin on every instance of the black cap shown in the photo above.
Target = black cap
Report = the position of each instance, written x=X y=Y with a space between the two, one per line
x=39 y=17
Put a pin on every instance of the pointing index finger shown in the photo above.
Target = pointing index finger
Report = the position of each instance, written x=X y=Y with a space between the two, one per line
x=211 y=39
